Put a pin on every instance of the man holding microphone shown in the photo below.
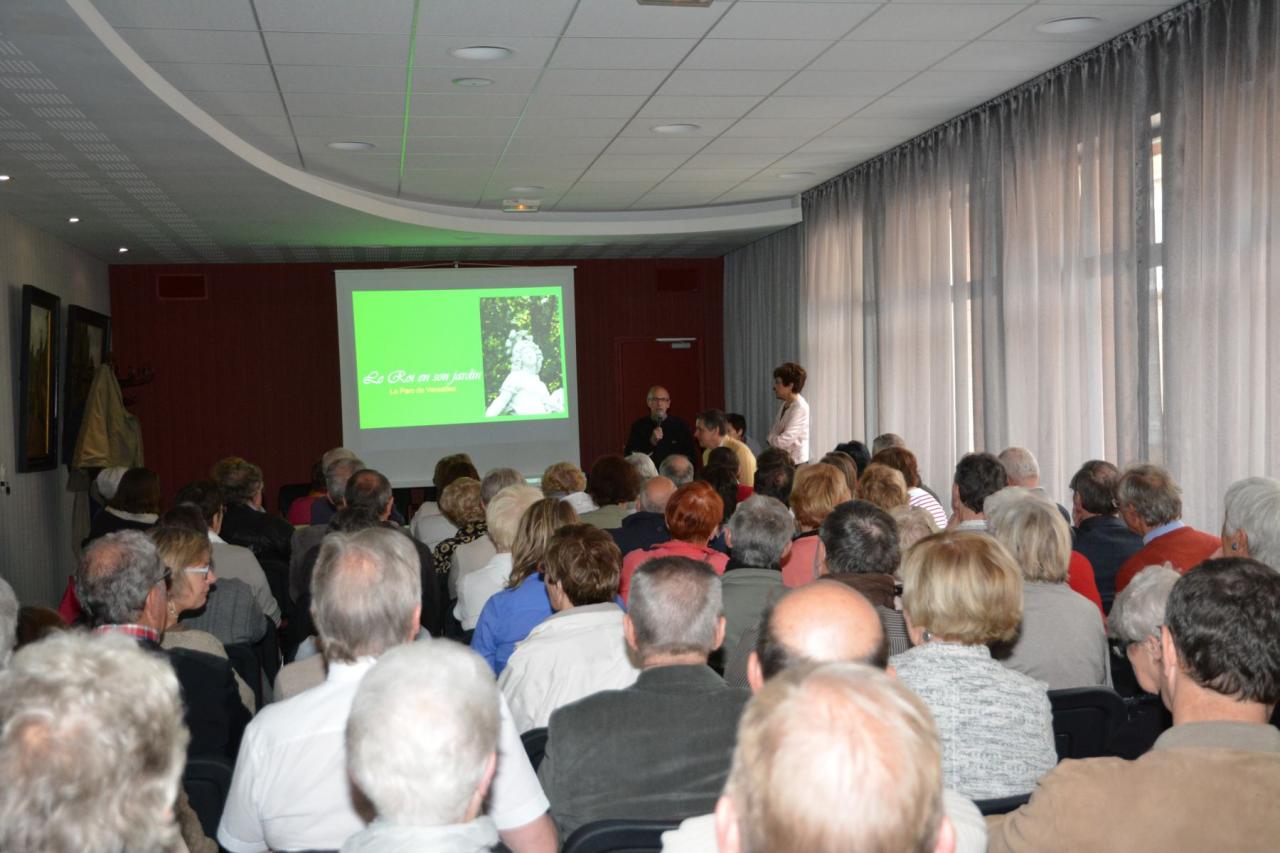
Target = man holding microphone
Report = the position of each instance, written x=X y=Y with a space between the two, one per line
x=659 y=434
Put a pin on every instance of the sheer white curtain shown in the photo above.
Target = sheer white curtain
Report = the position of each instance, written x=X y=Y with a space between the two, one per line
x=1083 y=266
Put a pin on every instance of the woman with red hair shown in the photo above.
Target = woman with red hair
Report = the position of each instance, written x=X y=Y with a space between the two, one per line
x=693 y=517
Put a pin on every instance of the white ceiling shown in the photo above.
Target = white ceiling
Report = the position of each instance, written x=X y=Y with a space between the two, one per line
x=777 y=87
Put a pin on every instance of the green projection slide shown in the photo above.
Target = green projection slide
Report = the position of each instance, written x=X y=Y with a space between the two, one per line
x=435 y=357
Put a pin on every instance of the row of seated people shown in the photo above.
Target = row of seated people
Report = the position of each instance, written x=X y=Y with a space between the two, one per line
x=962 y=593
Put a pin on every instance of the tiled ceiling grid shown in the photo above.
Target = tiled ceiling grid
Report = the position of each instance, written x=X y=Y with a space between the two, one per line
x=776 y=86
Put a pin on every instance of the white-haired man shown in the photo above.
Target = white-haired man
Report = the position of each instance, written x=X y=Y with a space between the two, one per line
x=837 y=756
x=336 y=473
x=1251 y=526
x=648 y=524
x=91 y=746
x=422 y=746
x=290 y=790
x=659 y=748
x=1023 y=470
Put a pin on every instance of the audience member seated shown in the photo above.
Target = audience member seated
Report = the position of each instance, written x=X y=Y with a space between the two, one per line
x=1136 y=620
x=835 y=757
x=693 y=515
x=738 y=430
x=613 y=485
x=34 y=624
x=291 y=790
x=134 y=505
x=92 y=747
x=904 y=462
x=913 y=524
x=1104 y=540
x=711 y=430
x=883 y=486
x=1211 y=782
x=659 y=749
x=322 y=512
x=817 y=491
x=725 y=482
x=460 y=503
x=233 y=562
x=858 y=452
x=336 y=474
x=580 y=650
x=510 y=614
x=677 y=468
x=245 y=522
x=430 y=526
x=759 y=538
x=886 y=440
x=187 y=554
x=1023 y=470
x=1251 y=526
x=643 y=464
x=1062 y=641
x=422 y=747
x=475 y=555
x=862 y=551
x=844 y=462
x=298 y=512
x=1151 y=505
x=502 y=517
x=962 y=591
x=565 y=481
x=775 y=475
x=123 y=588
x=648 y=524
x=978 y=477
x=10 y=621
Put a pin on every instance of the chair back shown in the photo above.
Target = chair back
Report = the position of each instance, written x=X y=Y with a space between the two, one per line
x=535 y=745
x=1084 y=719
x=207 y=781
x=619 y=836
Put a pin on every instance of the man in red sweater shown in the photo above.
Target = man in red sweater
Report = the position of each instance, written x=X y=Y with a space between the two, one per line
x=1151 y=506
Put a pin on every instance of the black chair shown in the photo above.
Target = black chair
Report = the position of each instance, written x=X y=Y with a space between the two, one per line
x=1001 y=805
x=619 y=836
x=207 y=781
x=1084 y=719
x=535 y=745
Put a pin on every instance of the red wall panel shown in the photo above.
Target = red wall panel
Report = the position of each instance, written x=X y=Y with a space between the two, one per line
x=253 y=369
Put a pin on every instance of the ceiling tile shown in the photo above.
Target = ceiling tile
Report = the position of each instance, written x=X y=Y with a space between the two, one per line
x=254 y=128
x=557 y=126
x=341 y=78
x=791 y=20
x=822 y=106
x=893 y=106
x=562 y=161
x=656 y=145
x=603 y=18
x=598 y=173
x=216 y=77
x=556 y=145
x=344 y=104
x=584 y=106
x=433 y=52
x=494 y=17
x=844 y=82
x=506 y=81
x=196 y=46
x=882 y=127
x=320 y=145
x=338 y=49
x=457 y=162
x=689 y=174
x=748 y=145
x=421 y=144
x=463 y=103
x=702 y=82
x=726 y=106
x=461 y=125
x=1115 y=20
x=884 y=55
x=620 y=53
x=503 y=178
x=775 y=127
x=348 y=127
x=627 y=162
x=238 y=103
x=706 y=129
x=730 y=161
x=961 y=84
x=1029 y=57
x=932 y=21
x=570 y=81
x=335 y=16
x=747 y=54
x=178 y=14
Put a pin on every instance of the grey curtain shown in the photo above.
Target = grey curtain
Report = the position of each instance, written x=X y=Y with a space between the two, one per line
x=762 y=284
x=1084 y=266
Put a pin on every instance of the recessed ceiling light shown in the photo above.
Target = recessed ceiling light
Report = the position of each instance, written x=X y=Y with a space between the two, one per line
x=1060 y=26
x=481 y=52
x=123 y=249
x=352 y=146
x=521 y=205
x=73 y=219
x=4 y=177
x=529 y=188
x=676 y=128
x=790 y=176
x=472 y=81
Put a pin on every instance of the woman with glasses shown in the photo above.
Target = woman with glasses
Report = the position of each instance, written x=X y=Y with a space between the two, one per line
x=188 y=557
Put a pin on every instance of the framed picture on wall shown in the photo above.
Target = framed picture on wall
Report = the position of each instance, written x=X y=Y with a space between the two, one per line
x=88 y=345
x=38 y=381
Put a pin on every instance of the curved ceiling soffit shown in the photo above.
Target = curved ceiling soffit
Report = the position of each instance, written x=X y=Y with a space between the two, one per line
x=743 y=216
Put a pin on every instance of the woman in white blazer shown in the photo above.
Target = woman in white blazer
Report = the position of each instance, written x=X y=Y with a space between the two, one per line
x=791 y=428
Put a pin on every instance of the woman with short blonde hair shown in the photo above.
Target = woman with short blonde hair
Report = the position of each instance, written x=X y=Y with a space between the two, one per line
x=818 y=489
x=960 y=593
x=883 y=486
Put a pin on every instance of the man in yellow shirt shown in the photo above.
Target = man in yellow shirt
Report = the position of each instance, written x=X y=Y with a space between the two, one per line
x=711 y=430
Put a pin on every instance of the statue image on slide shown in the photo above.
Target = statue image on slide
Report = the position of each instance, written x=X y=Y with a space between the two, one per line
x=523 y=365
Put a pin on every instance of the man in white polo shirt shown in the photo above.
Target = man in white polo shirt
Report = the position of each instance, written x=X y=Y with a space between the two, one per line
x=290 y=790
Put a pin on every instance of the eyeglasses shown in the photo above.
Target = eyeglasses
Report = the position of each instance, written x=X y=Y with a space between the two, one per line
x=659 y=399
x=198 y=570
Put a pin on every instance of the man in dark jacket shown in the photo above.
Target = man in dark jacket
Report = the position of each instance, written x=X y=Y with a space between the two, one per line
x=648 y=524
x=246 y=522
x=658 y=433
x=1100 y=534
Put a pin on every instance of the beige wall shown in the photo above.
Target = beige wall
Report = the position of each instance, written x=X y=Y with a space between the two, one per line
x=35 y=518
